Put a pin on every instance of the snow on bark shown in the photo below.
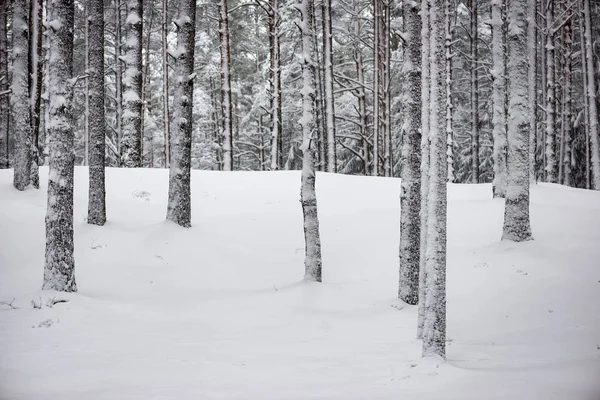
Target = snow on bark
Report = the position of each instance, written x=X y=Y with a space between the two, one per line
x=308 y=195
x=328 y=83
x=165 y=83
x=567 y=105
x=179 y=206
x=4 y=100
x=434 y=326
x=131 y=141
x=516 y=210
x=275 y=86
x=410 y=193
x=59 y=268
x=35 y=85
x=96 y=121
x=551 y=96
x=499 y=100
x=591 y=94
x=19 y=98
x=532 y=80
x=425 y=95
x=449 y=105
x=226 y=110
x=475 y=145
x=376 y=85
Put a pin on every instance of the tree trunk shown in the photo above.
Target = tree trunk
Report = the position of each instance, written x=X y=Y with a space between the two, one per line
x=19 y=99
x=568 y=103
x=499 y=100
x=96 y=120
x=179 y=207
x=449 y=105
x=4 y=100
x=131 y=143
x=331 y=165
x=376 y=64
x=312 y=240
x=275 y=86
x=591 y=94
x=516 y=211
x=425 y=145
x=434 y=328
x=551 y=97
x=118 y=80
x=532 y=81
x=35 y=84
x=165 y=82
x=59 y=268
x=226 y=87
x=474 y=92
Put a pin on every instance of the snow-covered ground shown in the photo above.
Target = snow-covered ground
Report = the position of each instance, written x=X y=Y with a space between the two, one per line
x=219 y=311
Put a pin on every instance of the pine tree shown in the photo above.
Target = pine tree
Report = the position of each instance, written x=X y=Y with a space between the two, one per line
x=410 y=193
x=19 y=98
x=226 y=109
x=516 y=211
x=35 y=85
x=96 y=121
x=131 y=142
x=499 y=99
x=59 y=269
x=4 y=97
x=179 y=207
x=312 y=240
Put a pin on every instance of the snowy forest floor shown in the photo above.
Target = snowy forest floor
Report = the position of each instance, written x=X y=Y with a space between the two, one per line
x=219 y=311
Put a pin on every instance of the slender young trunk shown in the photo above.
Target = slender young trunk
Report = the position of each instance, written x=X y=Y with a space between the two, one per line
x=410 y=193
x=586 y=125
x=275 y=86
x=362 y=98
x=35 y=84
x=165 y=82
x=449 y=105
x=551 y=97
x=226 y=87
x=532 y=81
x=4 y=100
x=146 y=134
x=131 y=143
x=499 y=101
x=474 y=92
x=96 y=120
x=328 y=81
x=516 y=211
x=179 y=207
x=19 y=99
x=59 y=268
x=387 y=131
x=425 y=145
x=376 y=63
x=568 y=104
x=86 y=113
x=312 y=240
x=591 y=94
x=118 y=80
x=434 y=328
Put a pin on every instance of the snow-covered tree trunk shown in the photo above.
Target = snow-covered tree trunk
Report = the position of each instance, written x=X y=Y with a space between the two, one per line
x=385 y=88
x=131 y=142
x=591 y=94
x=434 y=328
x=516 y=212
x=567 y=104
x=425 y=145
x=551 y=165
x=226 y=110
x=179 y=207
x=308 y=195
x=96 y=121
x=581 y=18
x=532 y=81
x=59 y=268
x=376 y=84
x=35 y=84
x=362 y=98
x=328 y=83
x=474 y=91
x=449 y=104
x=4 y=99
x=118 y=79
x=165 y=82
x=410 y=193
x=499 y=100
x=86 y=113
x=275 y=86
x=19 y=98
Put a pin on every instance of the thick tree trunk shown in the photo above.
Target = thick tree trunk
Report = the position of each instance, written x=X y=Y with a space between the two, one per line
x=19 y=98
x=499 y=100
x=532 y=81
x=551 y=165
x=4 y=99
x=308 y=196
x=59 y=269
x=35 y=85
x=516 y=211
x=434 y=328
x=131 y=142
x=179 y=207
x=96 y=120
x=410 y=193
x=425 y=145
x=226 y=87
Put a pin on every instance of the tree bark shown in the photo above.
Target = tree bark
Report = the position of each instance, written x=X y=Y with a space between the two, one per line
x=165 y=83
x=96 y=120
x=4 y=100
x=275 y=86
x=35 y=85
x=331 y=165
x=474 y=92
x=551 y=165
x=532 y=81
x=59 y=268
x=179 y=207
x=499 y=100
x=226 y=87
x=591 y=94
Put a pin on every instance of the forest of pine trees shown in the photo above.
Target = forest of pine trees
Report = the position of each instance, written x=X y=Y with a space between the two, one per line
x=432 y=92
